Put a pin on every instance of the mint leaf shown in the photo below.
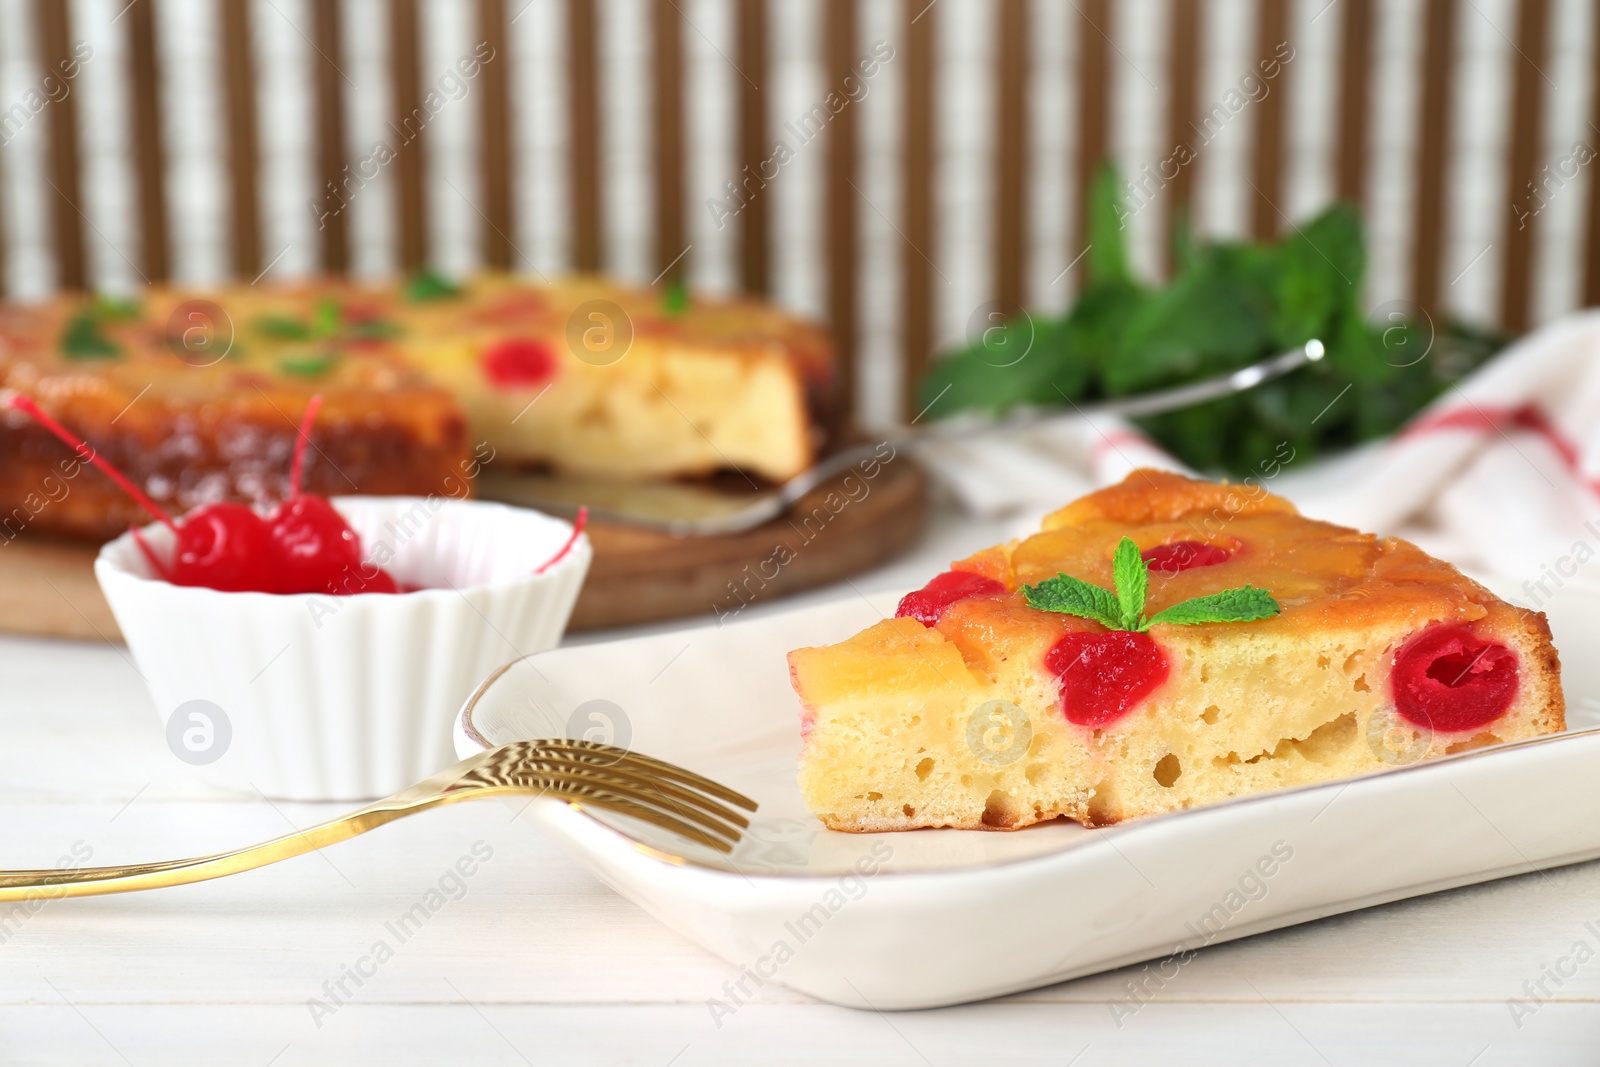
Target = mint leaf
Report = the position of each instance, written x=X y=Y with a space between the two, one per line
x=1230 y=605
x=1095 y=333
x=1211 y=318
x=326 y=319
x=281 y=327
x=1107 y=254
x=1124 y=609
x=1058 y=366
x=1074 y=596
x=675 y=301
x=975 y=378
x=1227 y=304
x=1132 y=577
x=83 y=339
x=308 y=364
x=114 y=309
x=427 y=284
x=1321 y=264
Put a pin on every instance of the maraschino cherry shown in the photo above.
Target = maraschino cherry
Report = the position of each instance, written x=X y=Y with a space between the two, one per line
x=519 y=362
x=1182 y=555
x=1104 y=675
x=303 y=546
x=1446 y=678
x=315 y=549
x=928 y=604
x=225 y=547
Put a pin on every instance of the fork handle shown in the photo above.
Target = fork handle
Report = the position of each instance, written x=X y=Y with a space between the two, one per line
x=580 y=773
x=92 y=881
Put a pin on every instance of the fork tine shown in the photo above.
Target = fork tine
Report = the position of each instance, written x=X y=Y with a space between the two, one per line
x=704 y=830
x=707 y=814
x=669 y=792
x=533 y=766
x=672 y=771
x=609 y=755
x=656 y=818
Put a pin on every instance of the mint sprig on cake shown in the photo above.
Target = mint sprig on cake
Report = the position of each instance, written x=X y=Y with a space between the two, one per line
x=1124 y=608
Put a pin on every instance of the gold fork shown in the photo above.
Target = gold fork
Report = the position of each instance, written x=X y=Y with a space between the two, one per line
x=583 y=773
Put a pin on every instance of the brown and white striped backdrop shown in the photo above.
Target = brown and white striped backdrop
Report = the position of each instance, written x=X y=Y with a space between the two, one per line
x=196 y=136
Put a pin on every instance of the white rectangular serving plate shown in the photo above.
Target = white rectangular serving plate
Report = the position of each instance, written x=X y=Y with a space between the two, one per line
x=936 y=917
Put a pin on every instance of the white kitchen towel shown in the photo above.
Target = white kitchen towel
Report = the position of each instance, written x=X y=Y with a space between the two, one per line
x=1500 y=475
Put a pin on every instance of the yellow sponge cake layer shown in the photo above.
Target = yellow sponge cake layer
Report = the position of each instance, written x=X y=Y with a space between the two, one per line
x=964 y=710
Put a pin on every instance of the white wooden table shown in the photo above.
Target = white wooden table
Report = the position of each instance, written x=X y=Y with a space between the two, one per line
x=530 y=960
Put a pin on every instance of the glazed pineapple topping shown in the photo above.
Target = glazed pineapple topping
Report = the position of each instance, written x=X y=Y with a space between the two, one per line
x=1129 y=659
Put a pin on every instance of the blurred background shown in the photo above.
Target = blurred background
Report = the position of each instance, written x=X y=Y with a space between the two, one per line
x=201 y=140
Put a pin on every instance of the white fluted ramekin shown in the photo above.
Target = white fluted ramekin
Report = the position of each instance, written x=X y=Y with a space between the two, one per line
x=347 y=697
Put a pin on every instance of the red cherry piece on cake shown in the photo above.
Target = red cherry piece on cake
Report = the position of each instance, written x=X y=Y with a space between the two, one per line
x=360 y=314
x=928 y=604
x=1182 y=555
x=314 y=548
x=1105 y=675
x=224 y=547
x=519 y=362
x=1447 y=679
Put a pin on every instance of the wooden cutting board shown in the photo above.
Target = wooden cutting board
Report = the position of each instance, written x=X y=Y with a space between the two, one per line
x=48 y=588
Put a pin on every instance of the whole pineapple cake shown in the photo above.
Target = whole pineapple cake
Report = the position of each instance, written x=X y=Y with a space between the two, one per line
x=197 y=396
x=1162 y=644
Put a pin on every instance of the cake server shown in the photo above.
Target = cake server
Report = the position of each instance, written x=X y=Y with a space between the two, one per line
x=688 y=510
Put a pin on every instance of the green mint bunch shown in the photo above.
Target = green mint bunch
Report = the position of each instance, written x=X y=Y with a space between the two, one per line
x=1124 y=609
x=1226 y=305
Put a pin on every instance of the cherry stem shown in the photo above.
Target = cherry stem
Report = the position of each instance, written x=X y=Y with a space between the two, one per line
x=577 y=531
x=298 y=466
x=79 y=445
x=150 y=555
